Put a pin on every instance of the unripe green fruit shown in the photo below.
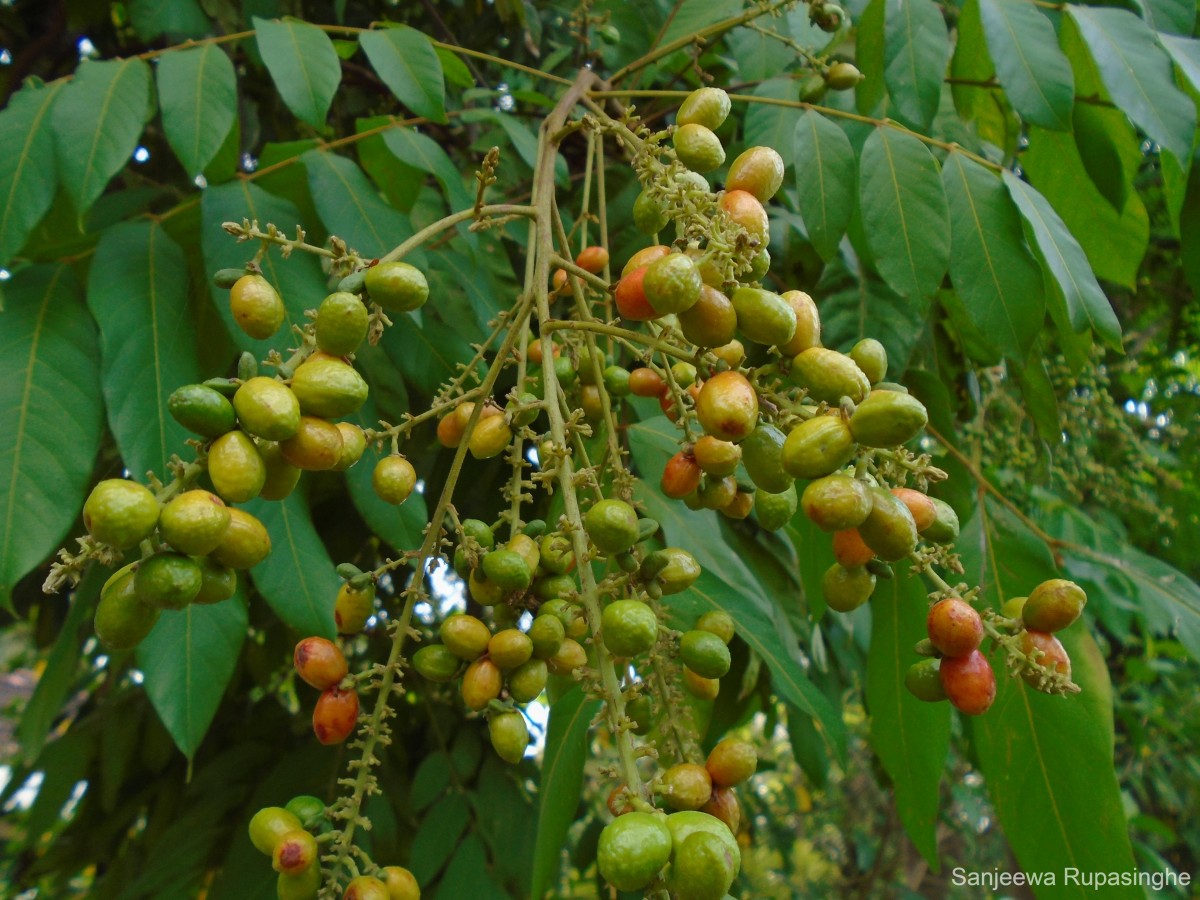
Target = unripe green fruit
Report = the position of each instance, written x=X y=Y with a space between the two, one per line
x=465 y=636
x=648 y=216
x=702 y=868
x=629 y=627
x=282 y=476
x=167 y=581
x=548 y=587
x=394 y=479
x=528 y=680
x=217 y=582
x=672 y=284
x=717 y=622
x=924 y=681
x=1053 y=605
x=1013 y=607
x=888 y=419
x=557 y=557
x=328 y=387
x=353 y=607
x=717 y=492
x=245 y=544
x=698 y=148
x=679 y=573
x=396 y=286
x=256 y=306
x=121 y=513
x=705 y=106
x=354 y=444
x=616 y=380
x=836 y=502
x=547 y=633
x=633 y=849
x=194 y=522
x=705 y=654
x=482 y=591
x=762 y=455
x=309 y=810
x=508 y=570
x=808 y=324
x=366 y=887
x=944 y=529
x=237 y=470
x=202 y=410
x=762 y=316
x=510 y=735
x=727 y=406
x=758 y=170
x=889 y=528
x=842 y=76
x=711 y=321
x=846 y=589
x=829 y=376
x=436 y=663
x=269 y=825
x=871 y=357
x=775 y=510
x=267 y=408
x=401 y=883
x=304 y=885
x=510 y=648
x=121 y=620
x=612 y=526
x=687 y=786
x=684 y=824
x=341 y=325
x=818 y=447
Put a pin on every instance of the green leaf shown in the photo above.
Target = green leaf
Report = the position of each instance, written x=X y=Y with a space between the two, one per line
x=428 y=353
x=454 y=69
x=774 y=126
x=824 y=181
x=468 y=874
x=408 y=64
x=424 y=153
x=297 y=580
x=177 y=19
x=561 y=782
x=28 y=177
x=692 y=15
x=197 y=91
x=1033 y=70
x=1041 y=403
x=430 y=779
x=986 y=108
x=871 y=94
x=990 y=268
x=910 y=737
x=97 y=120
x=1063 y=260
x=1189 y=230
x=303 y=65
x=138 y=293
x=299 y=279
x=188 y=660
x=1186 y=54
x=400 y=526
x=351 y=208
x=438 y=835
x=904 y=211
x=1169 y=17
x=1096 y=136
x=916 y=49
x=1138 y=75
x=60 y=670
x=1059 y=807
x=51 y=415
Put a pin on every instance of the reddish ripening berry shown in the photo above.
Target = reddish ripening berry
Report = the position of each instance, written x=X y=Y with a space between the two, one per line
x=731 y=762
x=1053 y=655
x=295 y=852
x=850 y=549
x=923 y=510
x=630 y=297
x=645 y=382
x=618 y=801
x=335 y=715
x=364 y=887
x=954 y=627
x=723 y=804
x=681 y=476
x=970 y=682
x=319 y=663
x=592 y=259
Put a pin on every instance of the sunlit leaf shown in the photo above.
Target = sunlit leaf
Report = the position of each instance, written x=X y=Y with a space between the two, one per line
x=410 y=67
x=825 y=179
x=303 y=65
x=197 y=90
x=1033 y=70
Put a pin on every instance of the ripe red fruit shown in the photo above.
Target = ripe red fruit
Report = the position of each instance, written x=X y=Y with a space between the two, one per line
x=681 y=476
x=1054 y=655
x=592 y=259
x=631 y=297
x=954 y=627
x=645 y=382
x=970 y=682
x=319 y=662
x=335 y=715
x=850 y=549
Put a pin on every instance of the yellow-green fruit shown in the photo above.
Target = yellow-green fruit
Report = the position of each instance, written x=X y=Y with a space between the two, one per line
x=687 y=785
x=547 y=633
x=328 y=387
x=698 y=148
x=245 y=543
x=401 y=883
x=727 y=406
x=236 y=468
x=944 y=529
x=775 y=510
x=508 y=570
x=353 y=607
x=889 y=528
x=829 y=376
x=194 y=522
x=202 y=410
x=394 y=479
x=269 y=825
x=482 y=591
x=758 y=170
x=672 y=284
x=365 y=887
x=648 y=216
x=1053 y=605
x=122 y=620
x=397 y=286
x=217 y=582
x=510 y=648
x=305 y=885
x=702 y=868
x=717 y=457
x=316 y=446
x=557 y=557
x=256 y=306
x=465 y=636
x=570 y=656
x=1013 y=606
x=836 y=502
x=121 y=513
x=764 y=317
x=888 y=419
x=528 y=680
x=680 y=572
x=633 y=849
x=846 y=589
x=282 y=476
x=706 y=106
x=871 y=357
x=629 y=627
x=717 y=622
x=267 y=408
x=612 y=526
x=491 y=437
x=167 y=580
x=762 y=455
x=820 y=446
x=711 y=321
x=842 y=76
x=716 y=492
x=808 y=323
x=510 y=735
x=436 y=663
x=481 y=683
x=704 y=653
x=924 y=680
x=683 y=825
x=354 y=444
x=341 y=324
